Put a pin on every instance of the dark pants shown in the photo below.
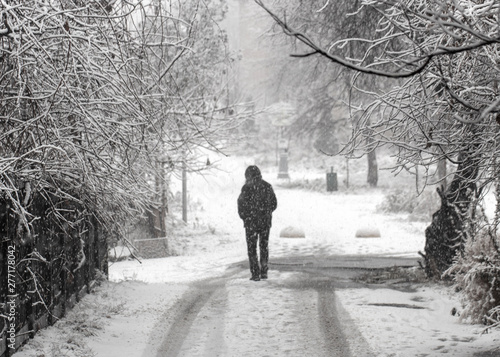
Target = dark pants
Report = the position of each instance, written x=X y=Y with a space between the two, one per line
x=262 y=237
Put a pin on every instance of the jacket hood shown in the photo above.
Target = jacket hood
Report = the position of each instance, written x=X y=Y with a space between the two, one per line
x=252 y=172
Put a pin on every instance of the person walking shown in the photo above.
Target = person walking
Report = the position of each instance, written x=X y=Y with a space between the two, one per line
x=256 y=204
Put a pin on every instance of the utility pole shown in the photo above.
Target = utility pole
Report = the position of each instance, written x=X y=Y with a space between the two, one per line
x=184 y=192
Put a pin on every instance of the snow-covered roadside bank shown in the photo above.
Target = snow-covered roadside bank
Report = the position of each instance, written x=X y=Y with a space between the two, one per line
x=118 y=319
x=417 y=323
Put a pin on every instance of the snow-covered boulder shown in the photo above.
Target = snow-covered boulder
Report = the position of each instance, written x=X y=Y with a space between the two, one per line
x=368 y=232
x=292 y=232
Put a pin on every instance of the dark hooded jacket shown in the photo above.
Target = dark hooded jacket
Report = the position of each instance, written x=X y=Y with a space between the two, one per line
x=257 y=201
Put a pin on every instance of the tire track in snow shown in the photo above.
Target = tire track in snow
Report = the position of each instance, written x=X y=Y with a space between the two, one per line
x=184 y=332
x=291 y=314
x=336 y=341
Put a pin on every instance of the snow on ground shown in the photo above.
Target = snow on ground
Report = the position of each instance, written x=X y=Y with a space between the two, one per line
x=416 y=323
x=128 y=314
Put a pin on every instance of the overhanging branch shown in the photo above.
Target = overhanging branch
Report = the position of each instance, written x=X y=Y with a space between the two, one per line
x=424 y=60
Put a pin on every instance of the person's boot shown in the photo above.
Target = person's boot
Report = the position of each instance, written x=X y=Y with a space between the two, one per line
x=255 y=278
x=263 y=273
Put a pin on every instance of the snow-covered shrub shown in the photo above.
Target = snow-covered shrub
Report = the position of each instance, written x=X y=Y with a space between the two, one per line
x=427 y=203
x=476 y=272
x=398 y=201
x=305 y=184
x=420 y=206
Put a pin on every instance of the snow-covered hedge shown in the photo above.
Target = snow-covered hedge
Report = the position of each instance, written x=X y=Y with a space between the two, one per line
x=420 y=206
x=476 y=273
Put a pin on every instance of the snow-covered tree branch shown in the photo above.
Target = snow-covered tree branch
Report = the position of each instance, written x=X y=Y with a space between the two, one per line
x=443 y=56
x=94 y=92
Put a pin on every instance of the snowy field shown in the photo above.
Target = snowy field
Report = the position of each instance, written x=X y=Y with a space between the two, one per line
x=129 y=314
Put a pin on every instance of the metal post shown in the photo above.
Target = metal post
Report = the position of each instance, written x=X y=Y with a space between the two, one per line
x=164 y=207
x=184 y=192
x=347 y=173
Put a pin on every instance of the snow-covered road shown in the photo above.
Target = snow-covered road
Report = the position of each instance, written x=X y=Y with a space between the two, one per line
x=289 y=315
x=201 y=303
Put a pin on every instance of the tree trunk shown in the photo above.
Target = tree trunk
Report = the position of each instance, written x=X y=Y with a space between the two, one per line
x=159 y=210
x=447 y=233
x=372 y=178
x=441 y=172
x=372 y=169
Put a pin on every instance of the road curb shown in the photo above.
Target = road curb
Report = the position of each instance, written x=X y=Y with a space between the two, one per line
x=347 y=261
